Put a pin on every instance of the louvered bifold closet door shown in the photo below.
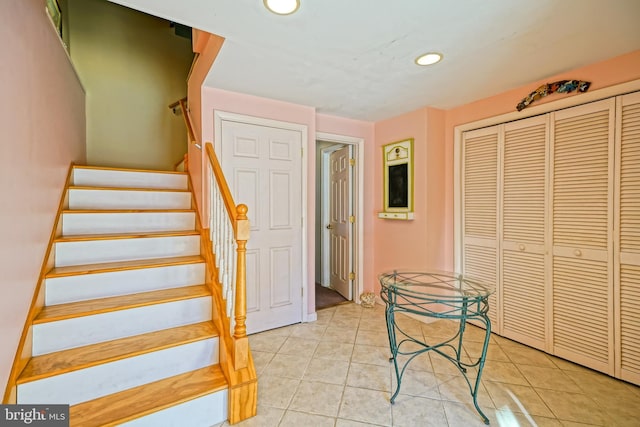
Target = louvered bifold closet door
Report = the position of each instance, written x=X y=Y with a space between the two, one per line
x=480 y=210
x=627 y=307
x=523 y=234
x=582 y=227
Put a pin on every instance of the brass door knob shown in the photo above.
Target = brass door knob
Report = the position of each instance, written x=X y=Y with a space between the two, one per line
x=329 y=226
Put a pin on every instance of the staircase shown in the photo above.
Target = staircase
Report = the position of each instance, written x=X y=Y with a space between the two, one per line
x=126 y=333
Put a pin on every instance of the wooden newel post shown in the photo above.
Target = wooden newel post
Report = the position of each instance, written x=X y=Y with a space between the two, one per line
x=241 y=341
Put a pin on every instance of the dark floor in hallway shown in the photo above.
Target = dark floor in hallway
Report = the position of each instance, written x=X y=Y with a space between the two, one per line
x=327 y=297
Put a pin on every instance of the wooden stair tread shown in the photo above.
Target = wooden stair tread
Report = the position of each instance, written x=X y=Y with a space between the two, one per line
x=110 y=168
x=119 y=211
x=74 y=359
x=117 y=236
x=159 y=190
x=105 y=267
x=103 y=305
x=148 y=398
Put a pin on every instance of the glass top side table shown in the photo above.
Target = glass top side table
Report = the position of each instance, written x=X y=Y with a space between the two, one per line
x=439 y=295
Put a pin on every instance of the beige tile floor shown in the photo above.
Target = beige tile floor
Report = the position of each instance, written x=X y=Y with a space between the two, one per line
x=335 y=372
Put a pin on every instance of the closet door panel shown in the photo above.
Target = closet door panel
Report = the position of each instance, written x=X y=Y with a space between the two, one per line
x=523 y=230
x=524 y=298
x=480 y=210
x=582 y=228
x=581 y=322
x=627 y=305
x=481 y=184
x=480 y=263
x=629 y=342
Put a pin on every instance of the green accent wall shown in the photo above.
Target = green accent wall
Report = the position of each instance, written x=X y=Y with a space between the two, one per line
x=132 y=67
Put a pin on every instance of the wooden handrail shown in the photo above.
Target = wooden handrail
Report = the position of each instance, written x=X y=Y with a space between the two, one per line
x=224 y=187
x=235 y=355
x=242 y=377
x=240 y=223
x=188 y=122
x=175 y=104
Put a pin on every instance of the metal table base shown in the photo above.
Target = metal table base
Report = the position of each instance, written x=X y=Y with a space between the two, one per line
x=440 y=296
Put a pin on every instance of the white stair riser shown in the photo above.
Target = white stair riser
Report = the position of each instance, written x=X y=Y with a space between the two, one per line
x=60 y=290
x=101 y=380
x=100 y=251
x=205 y=411
x=131 y=179
x=123 y=199
x=74 y=224
x=80 y=331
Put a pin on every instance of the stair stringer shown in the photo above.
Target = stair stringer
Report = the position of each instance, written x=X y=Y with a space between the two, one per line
x=243 y=383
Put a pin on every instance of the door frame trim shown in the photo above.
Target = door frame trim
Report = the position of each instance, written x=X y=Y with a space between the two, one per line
x=358 y=238
x=220 y=116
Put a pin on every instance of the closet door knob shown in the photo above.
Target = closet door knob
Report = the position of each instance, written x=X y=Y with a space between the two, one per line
x=577 y=252
x=521 y=247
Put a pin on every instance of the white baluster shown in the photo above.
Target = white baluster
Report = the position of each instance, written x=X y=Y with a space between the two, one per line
x=232 y=260
x=229 y=266
x=219 y=209
x=224 y=245
x=214 y=212
x=223 y=256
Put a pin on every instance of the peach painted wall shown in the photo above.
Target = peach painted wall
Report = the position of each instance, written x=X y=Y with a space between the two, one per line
x=364 y=130
x=617 y=70
x=400 y=244
x=435 y=189
x=417 y=243
x=207 y=46
x=43 y=130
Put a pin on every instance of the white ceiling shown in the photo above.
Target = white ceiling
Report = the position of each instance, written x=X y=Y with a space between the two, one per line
x=354 y=58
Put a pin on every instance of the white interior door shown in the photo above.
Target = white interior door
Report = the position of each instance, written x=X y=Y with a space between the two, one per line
x=480 y=212
x=263 y=166
x=523 y=249
x=627 y=226
x=582 y=225
x=339 y=224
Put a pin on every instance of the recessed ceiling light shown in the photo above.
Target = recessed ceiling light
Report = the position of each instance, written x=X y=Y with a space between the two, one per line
x=429 y=58
x=282 y=7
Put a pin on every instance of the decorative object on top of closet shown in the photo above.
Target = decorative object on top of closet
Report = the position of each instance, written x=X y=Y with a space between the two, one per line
x=561 y=86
